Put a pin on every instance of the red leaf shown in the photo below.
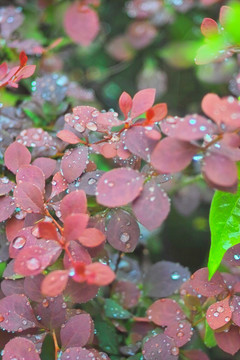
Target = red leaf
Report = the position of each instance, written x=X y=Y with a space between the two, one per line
x=52 y=312
x=59 y=184
x=172 y=155
x=15 y=156
x=236 y=309
x=68 y=137
x=123 y=231
x=31 y=174
x=7 y=207
x=78 y=254
x=23 y=58
x=10 y=287
x=118 y=187
x=160 y=347
x=209 y=27
x=156 y=113
x=156 y=201
x=5 y=185
x=77 y=331
x=54 y=283
x=164 y=312
x=89 y=181
x=80 y=292
x=29 y=198
x=32 y=287
x=74 y=226
x=47 y=231
x=73 y=203
x=229 y=341
x=16 y=313
x=24 y=348
x=220 y=170
x=199 y=281
x=91 y=237
x=219 y=314
x=127 y=293
x=74 y=163
x=3 y=70
x=125 y=103
x=36 y=137
x=142 y=101
x=47 y=165
x=195 y=355
x=81 y=24
x=180 y=331
x=102 y=274
x=83 y=354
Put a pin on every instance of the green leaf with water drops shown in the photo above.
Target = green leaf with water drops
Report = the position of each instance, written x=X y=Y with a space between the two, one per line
x=224 y=220
x=107 y=336
x=209 y=338
x=115 y=311
x=136 y=357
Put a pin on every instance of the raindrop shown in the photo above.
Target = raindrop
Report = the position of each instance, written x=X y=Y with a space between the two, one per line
x=236 y=256
x=124 y=237
x=45 y=303
x=79 y=127
x=175 y=351
x=19 y=242
x=5 y=180
x=192 y=121
x=220 y=309
x=10 y=19
x=227 y=318
x=216 y=314
x=91 y=126
x=92 y=181
x=111 y=184
x=33 y=264
x=175 y=275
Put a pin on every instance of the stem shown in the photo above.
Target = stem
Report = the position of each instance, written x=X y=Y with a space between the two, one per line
x=57 y=348
x=54 y=221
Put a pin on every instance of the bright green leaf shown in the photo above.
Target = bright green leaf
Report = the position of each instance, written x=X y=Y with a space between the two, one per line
x=115 y=311
x=209 y=338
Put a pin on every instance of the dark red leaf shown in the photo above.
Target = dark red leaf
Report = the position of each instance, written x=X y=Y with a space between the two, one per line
x=160 y=347
x=73 y=203
x=7 y=207
x=29 y=198
x=153 y=198
x=118 y=187
x=235 y=306
x=54 y=283
x=83 y=354
x=16 y=313
x=10 y=287
x=229 y=341
x=24 y=348
x=180 y=331
x=74 y=163
x=78 y=254
x=47 y=231
x=142 y=101
x=23 y=58
x=32 y=287
x=127 y=293
x=81 y=24
x=123 y=231
x=47 y=165
x=195 y=355
x=16 y=156
x=77 y=331
x=88 y=182
x=74 y=226
x=199 y=281
x=125 y=103
x=172 y=155
x=80 y=292
x=164 y=278
x=165 y=312
x=52 y=312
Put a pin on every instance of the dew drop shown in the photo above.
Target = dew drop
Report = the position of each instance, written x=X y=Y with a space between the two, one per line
x=91 y=126
x=92 y=181
x=192 y=121
x=124 y=237
x=236 y=256
x=79 y=127
x=4 y=180
x=220 y=309
x=19 y=242
x=175 y=351
x=227 y=318
x=111 y=184
x=33 y=264
x=216 y=314
x=175 y=275
x=45 y=303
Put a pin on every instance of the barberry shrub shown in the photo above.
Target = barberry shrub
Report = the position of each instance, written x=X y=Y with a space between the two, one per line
x=80 y=197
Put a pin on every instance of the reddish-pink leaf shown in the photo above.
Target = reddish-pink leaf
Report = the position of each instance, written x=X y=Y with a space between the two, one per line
x=52 y=312
x=164 y=312
x=91 y=238
x=142 y=101
x=7 y=207
x=73 y=203
x=16 y=156
x=147 y=140
x=16 y=313
x=5 y=185
x=123 y=231
x=68 y=137
x=81 y=24
x=47 y=231
x=180 y=331
x=22 y=348
x=119 y=187
x=3 y=70
x=34 y=259
x=125 y=103
x=10 y=287
x=156 y=113
x=32 y=287
x=29 y=198
x=101 y=274
x=209 y=27
x=54 y=283
x=220 y=170
x=77 y=331
x=22 y=239
x=160 y=347
x=195 y=355
x=47 y=165
x=80 y=292
x=153 y=198
x=59 y=184
x=74 y=163
x=172 y=155
x=219 y=314
x=199 y=281
x=235 y=305
x=141 y=33
x=31 y=174
x=88 y=182
x=25 y=72
x=36 y=137
x=229 y=341
x=83 y=354
x=78 y=254
x=74 y=226
x=127 y=293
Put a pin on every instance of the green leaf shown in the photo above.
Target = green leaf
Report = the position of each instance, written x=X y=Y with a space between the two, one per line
x=115 y=311
x=224 y=222
x=48 y=351
x=107 y=336
x=209 y=338
x=2 y=267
